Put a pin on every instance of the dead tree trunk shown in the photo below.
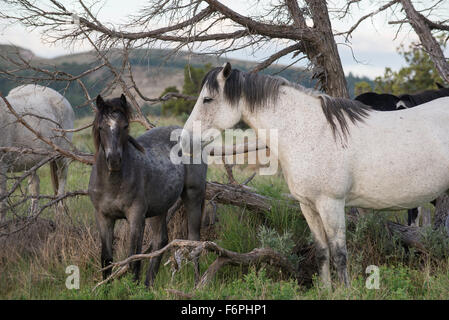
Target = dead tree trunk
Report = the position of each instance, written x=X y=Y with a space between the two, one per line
x=409 y=235
x=324 y=53
x=421 y=26
x=442 y=212
x=244 y=197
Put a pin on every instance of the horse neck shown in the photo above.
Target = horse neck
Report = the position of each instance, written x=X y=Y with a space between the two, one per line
x=295 y=114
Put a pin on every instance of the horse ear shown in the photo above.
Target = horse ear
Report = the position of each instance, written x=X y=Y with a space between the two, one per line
x=226 y=72
x=123 y=100
x=124 y=103
x=100 y=103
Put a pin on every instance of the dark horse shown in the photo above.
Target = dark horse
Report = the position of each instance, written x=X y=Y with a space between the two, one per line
x=134 y=179
x=389 y=102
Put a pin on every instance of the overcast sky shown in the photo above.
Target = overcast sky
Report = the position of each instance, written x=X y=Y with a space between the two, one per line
x=373 y=43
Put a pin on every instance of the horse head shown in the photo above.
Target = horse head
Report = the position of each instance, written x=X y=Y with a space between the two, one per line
x=111 y=130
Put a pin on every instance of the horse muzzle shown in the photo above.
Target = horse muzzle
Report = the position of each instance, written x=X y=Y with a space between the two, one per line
x=114 y=162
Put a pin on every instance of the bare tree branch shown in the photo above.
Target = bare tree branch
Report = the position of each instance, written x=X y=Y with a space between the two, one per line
x=369 y=15
x=420 y=25
x=296 y=13
x=69 y=154
x=194 y=24
x=276 y=56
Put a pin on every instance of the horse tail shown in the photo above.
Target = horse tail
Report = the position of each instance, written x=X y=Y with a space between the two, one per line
x=54 y=176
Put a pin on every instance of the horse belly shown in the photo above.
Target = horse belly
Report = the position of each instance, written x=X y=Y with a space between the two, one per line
x=403 y=172
x=18 y=161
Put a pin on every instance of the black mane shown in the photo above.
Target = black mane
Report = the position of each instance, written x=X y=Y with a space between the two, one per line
x=257 y=89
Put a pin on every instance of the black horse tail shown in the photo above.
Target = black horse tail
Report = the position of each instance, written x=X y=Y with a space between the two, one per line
x=54 y=176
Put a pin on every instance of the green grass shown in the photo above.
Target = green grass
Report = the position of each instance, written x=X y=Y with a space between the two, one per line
x=41 y=274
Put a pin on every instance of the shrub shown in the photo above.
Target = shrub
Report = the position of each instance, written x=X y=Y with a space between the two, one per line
x=436 y=242
x=378 y=245
x=270 y=238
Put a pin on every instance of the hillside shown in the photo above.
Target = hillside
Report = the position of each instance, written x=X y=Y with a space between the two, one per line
x=153 y=71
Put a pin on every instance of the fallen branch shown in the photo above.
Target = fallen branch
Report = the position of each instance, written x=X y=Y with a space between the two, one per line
x=75 y=129
x=244 y=197
x=409 y=235
x=194 y=248
x=180 y=294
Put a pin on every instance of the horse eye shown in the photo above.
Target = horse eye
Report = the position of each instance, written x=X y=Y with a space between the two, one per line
x=126 y=126
x=207 y=99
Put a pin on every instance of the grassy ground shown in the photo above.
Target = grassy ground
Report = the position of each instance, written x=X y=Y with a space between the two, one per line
x=33 y=264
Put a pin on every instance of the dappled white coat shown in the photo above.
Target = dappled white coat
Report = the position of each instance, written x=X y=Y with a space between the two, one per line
x=391 y=160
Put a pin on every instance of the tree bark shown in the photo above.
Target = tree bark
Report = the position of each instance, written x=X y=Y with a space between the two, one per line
x=323 y=52
x=423 y=30
x=441 y=211
x=244 y=197
x=409 y=235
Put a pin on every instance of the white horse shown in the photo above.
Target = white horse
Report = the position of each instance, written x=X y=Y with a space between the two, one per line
x=44 y=110
x=334 y=152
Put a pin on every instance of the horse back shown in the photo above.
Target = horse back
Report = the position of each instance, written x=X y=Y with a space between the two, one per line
x=49 y=110
x=43 y=101
x=158 y=138
x=380 y=102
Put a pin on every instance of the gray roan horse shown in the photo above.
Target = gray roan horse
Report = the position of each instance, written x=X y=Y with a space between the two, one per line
x=44 y=110
x=134 y=179
x=334 y=152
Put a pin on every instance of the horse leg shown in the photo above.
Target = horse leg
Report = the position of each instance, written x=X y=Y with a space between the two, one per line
x=106 y=227
x=62 y=166
x=332 y=213
x=159 y=239
x=193 y=199
x=33 y=188
x=3 y=210
x=322 y=248
x=412 y=217
x=137 y=228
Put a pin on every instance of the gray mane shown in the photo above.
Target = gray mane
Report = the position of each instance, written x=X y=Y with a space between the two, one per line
x=259 y=89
